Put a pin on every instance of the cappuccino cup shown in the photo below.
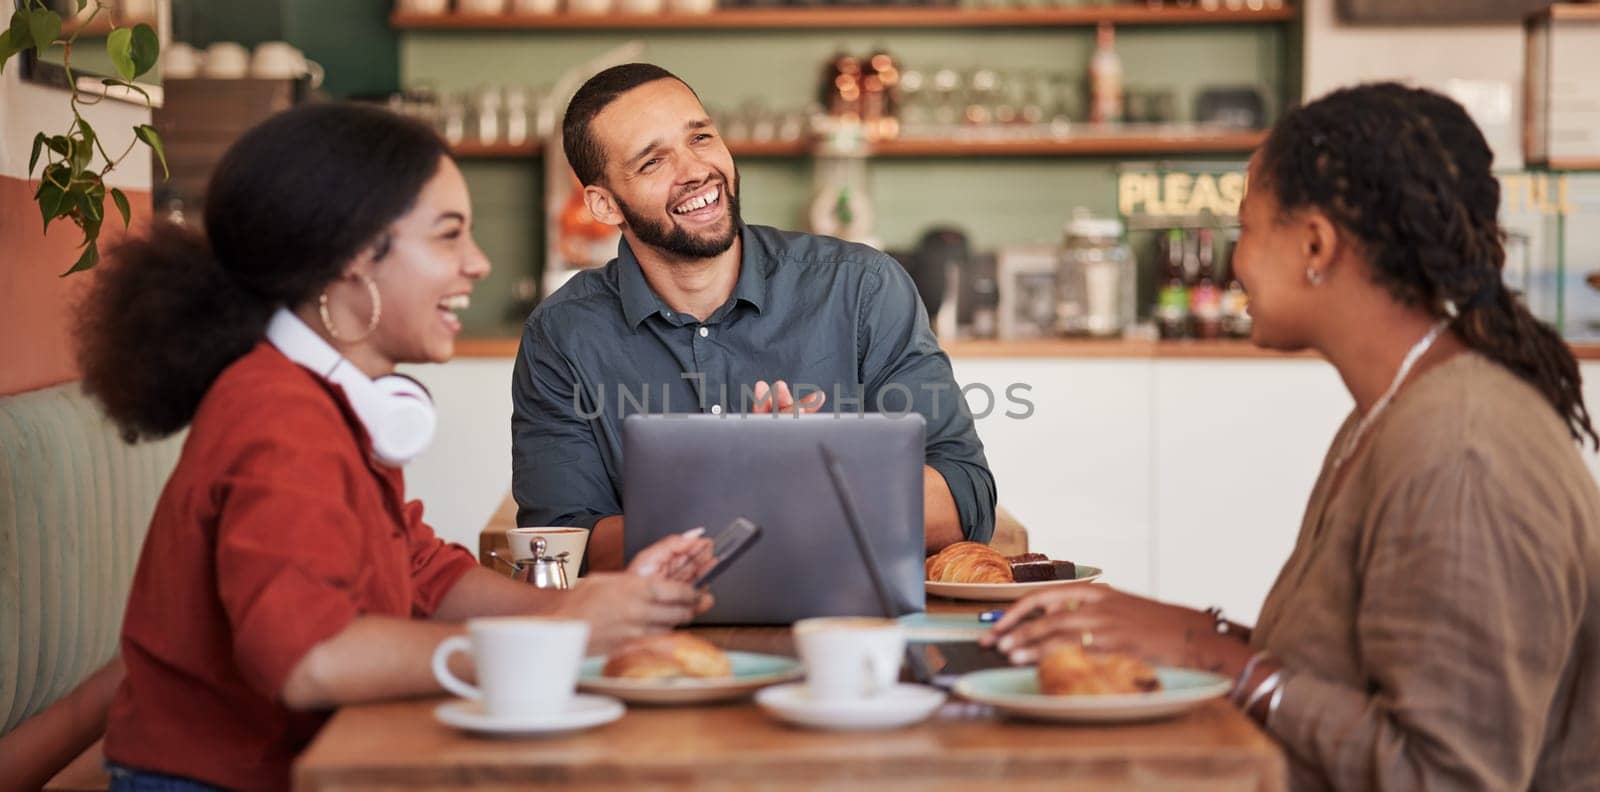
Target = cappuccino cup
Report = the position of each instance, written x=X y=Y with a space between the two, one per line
x=527 y=667
x=850 y=658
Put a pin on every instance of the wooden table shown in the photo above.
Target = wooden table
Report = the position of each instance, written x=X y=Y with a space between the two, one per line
x=736 y=746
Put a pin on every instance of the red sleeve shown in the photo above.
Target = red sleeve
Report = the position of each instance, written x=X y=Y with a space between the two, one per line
x=290 y=549
x=436 y=565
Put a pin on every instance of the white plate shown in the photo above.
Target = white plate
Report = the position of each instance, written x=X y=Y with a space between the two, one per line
x=751 y=672
x=582 y=712
x=1015 y=691
x=1006 y=592
x=901 y=705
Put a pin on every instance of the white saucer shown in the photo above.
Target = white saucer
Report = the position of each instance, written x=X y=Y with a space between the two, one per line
x=584 y=711
x=901 y=705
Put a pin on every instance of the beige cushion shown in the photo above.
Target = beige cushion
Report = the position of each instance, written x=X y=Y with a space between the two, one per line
x=75 y=502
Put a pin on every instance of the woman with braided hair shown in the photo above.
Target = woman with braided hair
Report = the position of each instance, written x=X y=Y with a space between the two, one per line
x=1437 y=625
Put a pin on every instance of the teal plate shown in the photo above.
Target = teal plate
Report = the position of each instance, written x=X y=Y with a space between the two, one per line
x=751 y=672
x=1015 y=691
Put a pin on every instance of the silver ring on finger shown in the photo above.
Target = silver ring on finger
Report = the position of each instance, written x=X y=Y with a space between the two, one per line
x=1087 y=638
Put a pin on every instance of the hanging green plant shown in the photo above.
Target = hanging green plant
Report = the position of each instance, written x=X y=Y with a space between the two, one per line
x=72 y=181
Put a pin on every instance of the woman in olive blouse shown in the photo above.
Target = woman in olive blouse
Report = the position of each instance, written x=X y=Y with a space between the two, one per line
x=1437 y=625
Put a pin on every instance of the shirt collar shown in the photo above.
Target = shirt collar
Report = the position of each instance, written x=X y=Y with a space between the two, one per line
x=640 y=301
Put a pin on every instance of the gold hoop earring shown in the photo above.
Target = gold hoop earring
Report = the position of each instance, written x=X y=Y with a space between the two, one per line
x=372 y=324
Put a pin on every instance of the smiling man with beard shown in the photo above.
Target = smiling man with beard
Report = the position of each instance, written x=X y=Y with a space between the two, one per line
x=702 y=313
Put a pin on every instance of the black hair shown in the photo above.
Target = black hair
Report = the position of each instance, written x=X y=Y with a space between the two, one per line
x=291 y=203
x=1408 y=174
x=584 y=153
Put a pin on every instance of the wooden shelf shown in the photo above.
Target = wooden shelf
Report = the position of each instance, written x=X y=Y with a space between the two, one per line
x=826 y=17
x=1570 y=12
x=472 y=150
x=1086 y=145
x=1089 y=145
x=535 y=149
x=1057 y=348
x=771 y=148
x=1573 y=164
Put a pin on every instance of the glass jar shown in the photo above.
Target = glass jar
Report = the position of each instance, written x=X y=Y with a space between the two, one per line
x=1094 y=279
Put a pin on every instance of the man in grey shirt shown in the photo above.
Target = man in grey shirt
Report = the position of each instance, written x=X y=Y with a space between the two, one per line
x=702 y=313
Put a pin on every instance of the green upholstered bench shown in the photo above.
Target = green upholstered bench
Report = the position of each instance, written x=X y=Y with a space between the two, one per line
x=75 y=502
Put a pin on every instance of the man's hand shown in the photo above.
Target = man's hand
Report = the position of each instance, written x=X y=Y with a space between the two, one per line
x=778 y=398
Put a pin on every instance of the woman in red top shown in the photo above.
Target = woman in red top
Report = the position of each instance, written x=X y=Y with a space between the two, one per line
x=284 y=573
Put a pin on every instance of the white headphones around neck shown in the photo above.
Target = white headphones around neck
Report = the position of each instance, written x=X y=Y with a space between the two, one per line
x=396 y=410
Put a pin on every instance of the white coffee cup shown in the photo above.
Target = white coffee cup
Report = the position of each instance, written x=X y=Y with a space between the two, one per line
x=280 y=60
x=226 y=60
x=557 y=540
x=180 y=61
x=527 y=667
x=850 y=658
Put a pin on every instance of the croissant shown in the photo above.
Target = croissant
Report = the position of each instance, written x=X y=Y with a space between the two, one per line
x=667 y=656
x=1067 y=670
x=968 y=562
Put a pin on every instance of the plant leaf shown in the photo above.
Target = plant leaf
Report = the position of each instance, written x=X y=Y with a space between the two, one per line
x=128 y=85
x=7 y=49
x=61 y=145
x=38 y=145
x=91 y=211
x=44 y=26
x=119 y=46
x=122 y=206
x=90 y=257
x=92 y=202
x=84 y=150
x=151 y=138
x=52 y=200
x=18 y=32
x=145 y=49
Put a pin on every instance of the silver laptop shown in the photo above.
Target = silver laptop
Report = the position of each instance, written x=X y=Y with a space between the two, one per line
x=683 y=471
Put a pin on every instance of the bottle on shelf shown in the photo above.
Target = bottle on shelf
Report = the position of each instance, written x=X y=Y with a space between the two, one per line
x=1172 y=296
x=840 y=92
x=880 y=86
x=1236 y=321
x=1105 y=78
x=1205 y=298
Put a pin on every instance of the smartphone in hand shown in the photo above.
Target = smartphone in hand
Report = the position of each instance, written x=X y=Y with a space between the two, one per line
x=727 y=545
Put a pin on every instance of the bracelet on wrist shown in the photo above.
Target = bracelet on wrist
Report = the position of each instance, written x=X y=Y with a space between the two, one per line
x=1263 y=690
x=1272 y=703
x=1236 y=693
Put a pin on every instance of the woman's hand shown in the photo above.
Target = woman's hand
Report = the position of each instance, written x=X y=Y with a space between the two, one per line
x=682 y=557
x=623 y=605
x=1103 y=618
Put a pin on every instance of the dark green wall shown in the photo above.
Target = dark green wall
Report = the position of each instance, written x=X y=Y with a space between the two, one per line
x=350 y=38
